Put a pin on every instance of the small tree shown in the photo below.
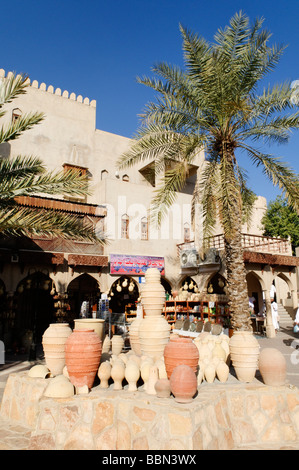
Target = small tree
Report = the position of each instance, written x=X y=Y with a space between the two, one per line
x=27 y=175
x=281 y=220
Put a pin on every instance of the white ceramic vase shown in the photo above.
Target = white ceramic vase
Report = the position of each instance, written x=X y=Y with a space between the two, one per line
x=132 y=374
x=104 y=374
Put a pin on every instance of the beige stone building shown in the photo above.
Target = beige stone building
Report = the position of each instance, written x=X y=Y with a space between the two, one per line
x=46 y=279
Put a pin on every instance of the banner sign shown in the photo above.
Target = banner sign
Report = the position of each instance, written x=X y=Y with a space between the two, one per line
x=135 y=265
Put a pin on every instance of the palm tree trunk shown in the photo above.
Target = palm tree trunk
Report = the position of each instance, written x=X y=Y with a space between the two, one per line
x=237 y=284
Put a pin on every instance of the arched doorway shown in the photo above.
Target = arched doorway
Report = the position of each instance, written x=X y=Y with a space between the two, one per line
x=166 y=286
x=255 y=292
x=34 y=306
x=217 y=285
x=123 y=294
x=83 y=289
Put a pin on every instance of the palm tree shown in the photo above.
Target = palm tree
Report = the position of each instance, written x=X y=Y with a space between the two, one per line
x=214 y=105
x=27 y=175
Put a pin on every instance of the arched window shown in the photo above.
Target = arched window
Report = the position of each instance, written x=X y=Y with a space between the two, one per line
x=144 y=228
x=125 y=226
x=126 y=178
x=16 y=113
x=104 y=174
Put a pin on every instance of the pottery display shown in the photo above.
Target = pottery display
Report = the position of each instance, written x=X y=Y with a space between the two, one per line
x=53 y=341
x=117 y=344
x=104 y=374
x=83 y=350
x=144 y=372
x=180 y=351
x=244 y=353
x=96 y=324
x=134 y=336
x=272 y=366
x=162 y=387
x=183 y=383
x=132 y=374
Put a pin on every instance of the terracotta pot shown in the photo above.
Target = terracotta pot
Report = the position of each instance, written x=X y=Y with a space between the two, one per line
x=244 y=353
x=180 y=351
x=154 y=333
x=153 y=293
x=83 y=351
x=96 y=324
x=134 y=336
x=183 y=384
x=53 y=341
x=272 y=366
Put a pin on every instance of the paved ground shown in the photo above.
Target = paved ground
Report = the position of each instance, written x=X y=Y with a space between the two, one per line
x=14 y=437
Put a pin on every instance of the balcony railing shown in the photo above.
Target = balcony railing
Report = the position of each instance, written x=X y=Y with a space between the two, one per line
x=256 y=243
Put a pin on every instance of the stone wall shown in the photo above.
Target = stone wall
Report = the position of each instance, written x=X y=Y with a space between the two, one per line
x=222 y=416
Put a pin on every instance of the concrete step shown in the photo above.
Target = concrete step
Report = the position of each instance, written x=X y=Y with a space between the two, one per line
x=284 y=316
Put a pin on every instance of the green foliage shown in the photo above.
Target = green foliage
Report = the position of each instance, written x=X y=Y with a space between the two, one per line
x=281 y=221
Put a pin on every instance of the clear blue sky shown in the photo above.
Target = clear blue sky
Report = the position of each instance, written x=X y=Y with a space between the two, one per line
x=97 y=49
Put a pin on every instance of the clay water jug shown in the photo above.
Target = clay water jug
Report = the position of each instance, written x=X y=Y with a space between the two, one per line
x=53 y=341
x=222 y=371
x=272 y=366
x=218 y=351
x=118 y=374
x=96 y=324
x=83 y=350
x=183 y=384
x=210 y=373
x=104 y=374
x=180 y=351
x=132 y=374
x=117 y=344
x=244 y=352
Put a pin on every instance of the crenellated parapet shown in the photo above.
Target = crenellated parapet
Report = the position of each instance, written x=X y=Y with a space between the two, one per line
x=55 y=91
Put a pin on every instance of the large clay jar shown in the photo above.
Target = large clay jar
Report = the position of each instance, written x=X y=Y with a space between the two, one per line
x=272 y=366
x=134 y=336
x=153 y=293
x=154 y=333
x=180 y=351
x=83 y=350
x=117 y=344
x=53 y=341
x=96 y=324
x=244 y=353
x=183 y=384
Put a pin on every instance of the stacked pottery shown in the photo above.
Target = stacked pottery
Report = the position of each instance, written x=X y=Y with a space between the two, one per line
x=154 y=330
x=244 y=353
x=83 y=350
x=53 y=341
x=272 y=366
x=180 y=351
x=183 y=384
